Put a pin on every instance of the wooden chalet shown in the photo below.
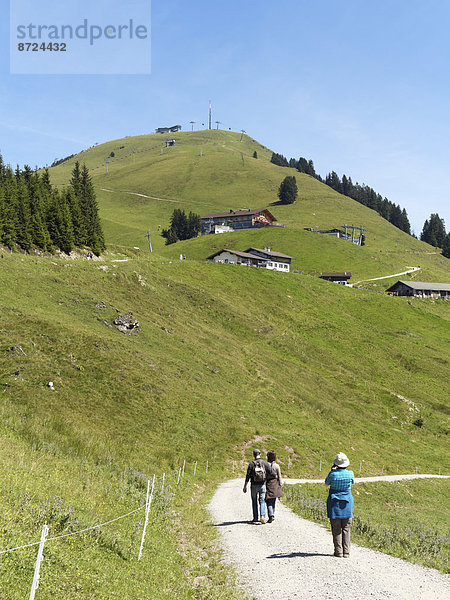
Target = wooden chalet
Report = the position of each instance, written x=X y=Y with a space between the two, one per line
x=234 y=257
x=276 y=260
x=235 y=220
x=254 y=257
x=172 y=129
x=420 y=289
x=341 y=278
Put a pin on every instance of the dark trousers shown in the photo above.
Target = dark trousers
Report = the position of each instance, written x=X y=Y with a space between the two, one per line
x=340 y=528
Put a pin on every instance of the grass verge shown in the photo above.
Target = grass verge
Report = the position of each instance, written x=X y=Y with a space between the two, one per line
x=179 y=560
x=407 y=519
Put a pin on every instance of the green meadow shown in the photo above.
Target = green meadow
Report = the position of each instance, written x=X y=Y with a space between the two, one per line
x=408 y=519
x=225 y=357
x=210 y=171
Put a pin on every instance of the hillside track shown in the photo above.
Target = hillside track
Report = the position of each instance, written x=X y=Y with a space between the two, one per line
x=140 y=195
x=291 y=558
x=410 y=270
x=148 y=197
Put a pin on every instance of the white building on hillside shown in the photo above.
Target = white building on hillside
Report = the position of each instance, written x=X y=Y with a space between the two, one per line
x=254 y=257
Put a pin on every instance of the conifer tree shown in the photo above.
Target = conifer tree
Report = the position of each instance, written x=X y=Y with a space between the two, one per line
x=77 y=220
x=182 y=227
x=35 y=215
x=446 y=246
x=75 y=181
x=194 y=225
x=66 y=228
x=179 y=224
x=2 y=208
x=279 y=159
x=170 y=235
x=38 y=202
x=288 y=190
x=9 y=216
x=433 y=231
x=396 y=216
x=93 y=233
x=40 y=236
x=23 y=215
x=406 y=226
x=54 y=222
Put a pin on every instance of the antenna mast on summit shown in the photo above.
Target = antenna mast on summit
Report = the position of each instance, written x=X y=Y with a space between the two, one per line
x=210 y=115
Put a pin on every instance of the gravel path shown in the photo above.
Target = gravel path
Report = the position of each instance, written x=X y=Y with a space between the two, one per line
x=410 y=270
x=136 y=194
x=291 y=559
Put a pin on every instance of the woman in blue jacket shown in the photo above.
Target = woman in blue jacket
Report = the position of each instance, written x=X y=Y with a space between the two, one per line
x=340 y=504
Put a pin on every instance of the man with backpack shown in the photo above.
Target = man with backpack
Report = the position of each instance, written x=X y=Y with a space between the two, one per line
x=257 y=474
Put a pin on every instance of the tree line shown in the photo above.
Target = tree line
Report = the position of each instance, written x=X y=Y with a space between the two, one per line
x=433 y=233
x=361 y=193
x=182 y=227
x=35 y=214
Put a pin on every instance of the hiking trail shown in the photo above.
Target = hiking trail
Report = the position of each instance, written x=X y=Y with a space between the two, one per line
x=291 y=558
x=410 y=270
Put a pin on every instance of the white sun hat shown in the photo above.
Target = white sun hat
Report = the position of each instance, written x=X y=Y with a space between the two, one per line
x=341 y=460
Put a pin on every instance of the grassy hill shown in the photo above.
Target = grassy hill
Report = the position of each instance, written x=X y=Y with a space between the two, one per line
x=225 y=357
x=214 y=171
x=214 y=341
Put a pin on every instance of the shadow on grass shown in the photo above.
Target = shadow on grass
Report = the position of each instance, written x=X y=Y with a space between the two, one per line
x=298 y=555
x=278 y=203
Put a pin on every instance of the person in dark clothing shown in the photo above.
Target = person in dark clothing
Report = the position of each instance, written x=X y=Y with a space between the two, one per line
x=257 y=474
x=273 y=485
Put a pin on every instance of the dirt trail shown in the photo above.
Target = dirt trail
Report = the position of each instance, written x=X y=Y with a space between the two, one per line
x=140 y=195
x=411 y=270
x=291 y=558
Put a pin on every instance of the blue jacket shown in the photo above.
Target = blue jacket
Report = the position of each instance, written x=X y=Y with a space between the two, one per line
x=340 y=499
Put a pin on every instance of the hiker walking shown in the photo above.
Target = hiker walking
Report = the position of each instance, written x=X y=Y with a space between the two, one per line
x=257 y=473
x=273 y=485
x=340 y=504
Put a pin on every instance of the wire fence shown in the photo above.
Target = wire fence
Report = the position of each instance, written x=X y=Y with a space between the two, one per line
x=168 y=483
x=159 y=484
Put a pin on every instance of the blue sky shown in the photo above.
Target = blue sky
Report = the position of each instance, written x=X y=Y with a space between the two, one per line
x=362 y=88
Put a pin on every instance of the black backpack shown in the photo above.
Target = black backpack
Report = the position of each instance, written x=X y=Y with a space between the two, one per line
x=259 y=472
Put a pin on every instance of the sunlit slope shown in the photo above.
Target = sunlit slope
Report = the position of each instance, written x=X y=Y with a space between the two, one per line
x=211 y=171
x=223 y=354
x=314 y=254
